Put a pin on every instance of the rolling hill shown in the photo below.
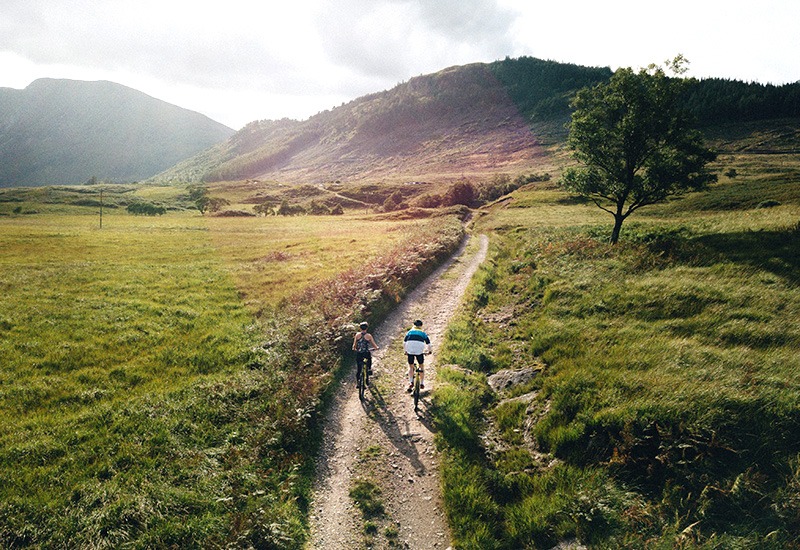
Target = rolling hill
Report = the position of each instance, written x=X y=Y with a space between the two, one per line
x=67 y=132
x=477 y=119
x=461 y=120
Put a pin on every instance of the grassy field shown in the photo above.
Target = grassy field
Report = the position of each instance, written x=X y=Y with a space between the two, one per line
x=161 y=375
x=666 y=408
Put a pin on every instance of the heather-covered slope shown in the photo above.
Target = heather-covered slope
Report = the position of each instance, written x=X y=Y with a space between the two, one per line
x=477 y=119
x=459 y=120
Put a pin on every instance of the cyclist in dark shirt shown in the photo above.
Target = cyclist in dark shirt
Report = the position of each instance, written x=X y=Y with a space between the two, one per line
x=363 y=344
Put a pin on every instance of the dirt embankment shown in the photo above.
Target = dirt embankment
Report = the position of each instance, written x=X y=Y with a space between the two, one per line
x=383 y=440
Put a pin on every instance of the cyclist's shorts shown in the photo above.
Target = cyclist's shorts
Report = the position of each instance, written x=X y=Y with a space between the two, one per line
x=420 y=358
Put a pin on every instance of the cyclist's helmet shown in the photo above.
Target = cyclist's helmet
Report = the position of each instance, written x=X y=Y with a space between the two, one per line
x=364 y=325
x=418 y=323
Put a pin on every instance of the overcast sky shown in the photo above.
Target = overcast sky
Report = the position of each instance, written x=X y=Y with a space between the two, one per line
x=242 y=60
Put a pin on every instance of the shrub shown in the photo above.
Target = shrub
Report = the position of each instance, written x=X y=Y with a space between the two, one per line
x=146 y=209
x=460 y=193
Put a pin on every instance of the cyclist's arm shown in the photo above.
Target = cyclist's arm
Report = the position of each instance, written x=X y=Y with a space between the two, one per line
x=355 y=339
x=371 y=340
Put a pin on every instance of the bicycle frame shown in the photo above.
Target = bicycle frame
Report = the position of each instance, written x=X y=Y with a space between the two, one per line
x=417 y=371
x=362 y=378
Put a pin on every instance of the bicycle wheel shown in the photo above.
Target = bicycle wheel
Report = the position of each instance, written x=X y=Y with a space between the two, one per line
x=416 y=392
x=362 y=381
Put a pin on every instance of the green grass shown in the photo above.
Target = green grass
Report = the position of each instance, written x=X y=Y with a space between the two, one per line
x=115 y=343
x=668 y=408
x=367 y=497
x=118 y=309
x=272 y=258
x=155 y=391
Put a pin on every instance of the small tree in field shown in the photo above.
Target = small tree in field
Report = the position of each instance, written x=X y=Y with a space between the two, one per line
x=634 y=143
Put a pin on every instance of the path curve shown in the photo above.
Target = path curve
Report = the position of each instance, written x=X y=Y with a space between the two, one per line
x=400 y=454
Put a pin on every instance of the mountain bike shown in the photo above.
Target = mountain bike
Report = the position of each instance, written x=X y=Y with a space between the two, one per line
x=415 y=393
x=363 y=376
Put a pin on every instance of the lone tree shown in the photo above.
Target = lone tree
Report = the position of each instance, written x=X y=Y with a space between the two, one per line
x=634 y=142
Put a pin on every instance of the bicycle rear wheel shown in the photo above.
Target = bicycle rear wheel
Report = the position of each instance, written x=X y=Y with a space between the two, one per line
x=416 y=392
x=362 y=382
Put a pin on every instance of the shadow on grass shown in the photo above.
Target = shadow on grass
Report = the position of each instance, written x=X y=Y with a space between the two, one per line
x=775 y=251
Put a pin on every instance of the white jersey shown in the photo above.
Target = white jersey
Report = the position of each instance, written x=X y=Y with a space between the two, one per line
x=415 y=341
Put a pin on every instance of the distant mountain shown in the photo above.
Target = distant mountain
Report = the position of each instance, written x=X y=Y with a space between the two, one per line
x=67 y=131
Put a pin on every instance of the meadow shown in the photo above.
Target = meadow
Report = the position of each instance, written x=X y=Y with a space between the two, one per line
x=665 y=412
x=161 y=374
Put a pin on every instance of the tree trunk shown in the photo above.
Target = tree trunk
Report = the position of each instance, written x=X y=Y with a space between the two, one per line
x=618 y=219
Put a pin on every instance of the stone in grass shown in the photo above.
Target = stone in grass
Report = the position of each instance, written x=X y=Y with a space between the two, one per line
x=507 y=379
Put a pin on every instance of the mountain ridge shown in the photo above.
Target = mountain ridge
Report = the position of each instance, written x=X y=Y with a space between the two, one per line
x=61 y=131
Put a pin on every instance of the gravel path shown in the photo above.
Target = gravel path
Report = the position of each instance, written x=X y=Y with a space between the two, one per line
x=383 y=440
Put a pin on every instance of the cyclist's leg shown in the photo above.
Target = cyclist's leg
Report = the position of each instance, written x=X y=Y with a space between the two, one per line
x=421 y=361
x=410 y=371
x=368 y=365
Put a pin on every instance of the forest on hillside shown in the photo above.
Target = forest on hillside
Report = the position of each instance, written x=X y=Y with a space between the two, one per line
x=542 y=90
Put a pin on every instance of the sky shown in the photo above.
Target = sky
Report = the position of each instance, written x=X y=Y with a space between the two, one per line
x=237 y=61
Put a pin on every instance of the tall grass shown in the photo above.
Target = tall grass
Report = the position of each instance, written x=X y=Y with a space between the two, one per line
x=668 y=409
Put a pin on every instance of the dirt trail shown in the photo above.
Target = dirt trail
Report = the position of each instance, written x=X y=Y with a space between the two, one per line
x=383 y=439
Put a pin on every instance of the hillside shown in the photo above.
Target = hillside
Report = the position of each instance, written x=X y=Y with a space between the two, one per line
x=477 y=119
x=458 y=121
x=66 y=132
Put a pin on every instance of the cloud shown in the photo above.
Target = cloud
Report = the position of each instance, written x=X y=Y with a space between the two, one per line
x=401 y=38
x=276 y=57
x=208 y=44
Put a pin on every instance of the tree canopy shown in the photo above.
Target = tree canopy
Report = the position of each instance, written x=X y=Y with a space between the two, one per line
x=634 y=143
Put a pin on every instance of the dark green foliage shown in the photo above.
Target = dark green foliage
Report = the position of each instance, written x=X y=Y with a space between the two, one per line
x=395 y=201
x=318 y=209
x=146 y=209
x=460 y=193
x=198 y=195
x=286 y=209
x=715 y=101
x=634 y=144
x=502 y=184
x=543 y=89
